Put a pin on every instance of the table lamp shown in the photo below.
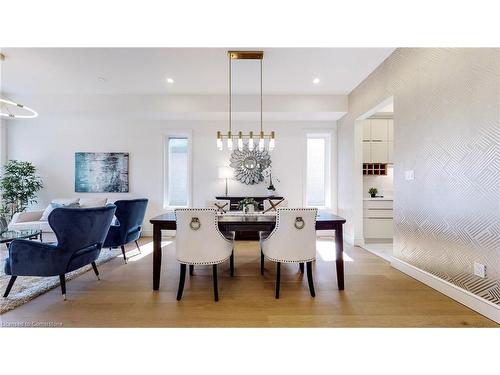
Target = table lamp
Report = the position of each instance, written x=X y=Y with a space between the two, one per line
x=225 y=173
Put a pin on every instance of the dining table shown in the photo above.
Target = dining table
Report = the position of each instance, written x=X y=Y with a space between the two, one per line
x=255 y=222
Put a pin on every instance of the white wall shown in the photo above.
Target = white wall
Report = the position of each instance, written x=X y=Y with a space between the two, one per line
x=51 y=140
x=446 y=129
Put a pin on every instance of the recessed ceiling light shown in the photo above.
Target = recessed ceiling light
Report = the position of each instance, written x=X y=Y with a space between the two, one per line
x=101 y=79
x=316 y=81
x=170 y=80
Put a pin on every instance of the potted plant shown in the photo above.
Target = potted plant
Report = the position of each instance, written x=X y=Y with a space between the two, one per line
x=373 y=192
x=19 y=185
x=248 y=205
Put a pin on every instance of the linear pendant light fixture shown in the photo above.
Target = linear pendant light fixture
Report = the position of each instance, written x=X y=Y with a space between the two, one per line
x=5 y=103
x=229 y=136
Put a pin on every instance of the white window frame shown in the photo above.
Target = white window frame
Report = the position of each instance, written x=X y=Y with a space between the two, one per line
x=327 y=136
x=166 y=136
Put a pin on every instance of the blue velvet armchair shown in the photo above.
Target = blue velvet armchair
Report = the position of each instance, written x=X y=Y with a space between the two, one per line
x=130 y=216
x=80 y=234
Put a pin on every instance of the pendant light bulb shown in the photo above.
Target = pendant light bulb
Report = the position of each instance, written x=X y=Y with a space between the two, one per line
x=240 y=141
x=250 y=142
x=219 y=141
x=261 y=142
x=271 y=142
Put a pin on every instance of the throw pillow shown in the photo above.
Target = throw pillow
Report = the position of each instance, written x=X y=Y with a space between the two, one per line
x=46 y=213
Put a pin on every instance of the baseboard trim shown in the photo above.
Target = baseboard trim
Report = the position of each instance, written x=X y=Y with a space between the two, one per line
x=483 y=307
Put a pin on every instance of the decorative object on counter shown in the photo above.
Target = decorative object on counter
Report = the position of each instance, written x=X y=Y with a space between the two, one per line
x=18 y=186
x=373 y=192
x=249 y=164
x=225 y=173
x=101 y=172
x=230 y=136
x=268 y=174
x=248 y=205
x=274 y=204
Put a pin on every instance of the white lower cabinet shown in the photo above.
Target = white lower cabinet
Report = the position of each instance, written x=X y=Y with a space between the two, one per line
x=378 y=219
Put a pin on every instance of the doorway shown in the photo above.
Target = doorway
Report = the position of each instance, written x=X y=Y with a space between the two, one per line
x=374 y=140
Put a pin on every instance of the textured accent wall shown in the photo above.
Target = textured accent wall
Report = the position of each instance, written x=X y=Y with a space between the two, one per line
x=446 y=129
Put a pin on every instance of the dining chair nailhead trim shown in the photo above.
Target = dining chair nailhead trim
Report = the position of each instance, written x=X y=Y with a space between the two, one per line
x=216 y=225
x=277 y=226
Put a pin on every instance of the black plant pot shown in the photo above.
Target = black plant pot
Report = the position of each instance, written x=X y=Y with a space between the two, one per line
x=373 y=195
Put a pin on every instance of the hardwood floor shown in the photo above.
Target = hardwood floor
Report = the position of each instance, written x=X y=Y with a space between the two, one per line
x=376 y=295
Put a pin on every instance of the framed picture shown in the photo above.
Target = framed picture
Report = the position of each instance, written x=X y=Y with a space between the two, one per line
x=101 y=172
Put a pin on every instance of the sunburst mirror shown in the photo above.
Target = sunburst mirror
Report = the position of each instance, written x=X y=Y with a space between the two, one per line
x=249 y=164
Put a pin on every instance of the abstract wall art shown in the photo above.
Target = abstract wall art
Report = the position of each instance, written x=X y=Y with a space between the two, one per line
x=101 y=172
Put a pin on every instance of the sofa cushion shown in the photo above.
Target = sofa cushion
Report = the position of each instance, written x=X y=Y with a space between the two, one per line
x=62 y=205
x=36 y=225
x=65 y=201
x=47 y=212
x=92 y=202
x=50 y=208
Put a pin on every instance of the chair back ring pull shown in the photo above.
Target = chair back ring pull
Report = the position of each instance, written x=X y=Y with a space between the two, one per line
x=195 y=223
x=299 y=223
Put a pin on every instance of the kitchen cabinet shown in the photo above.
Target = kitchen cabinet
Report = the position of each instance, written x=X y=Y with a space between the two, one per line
x=378 y=129
x=378 y=218
x=366 y=130
x=390 y=147
x=378 y=152
x=378 y=141
x=367 y=152
x=390 y=130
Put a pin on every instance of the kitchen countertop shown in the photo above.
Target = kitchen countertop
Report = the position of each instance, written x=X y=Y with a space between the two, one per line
x=378 y=199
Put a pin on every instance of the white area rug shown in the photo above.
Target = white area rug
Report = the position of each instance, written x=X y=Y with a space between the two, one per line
x=28 y=287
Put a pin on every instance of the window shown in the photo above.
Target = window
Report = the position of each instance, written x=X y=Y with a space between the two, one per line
x=178 y=171
x=318 y=171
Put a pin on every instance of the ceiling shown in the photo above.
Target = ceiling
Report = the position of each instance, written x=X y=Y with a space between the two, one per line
x=286 y=71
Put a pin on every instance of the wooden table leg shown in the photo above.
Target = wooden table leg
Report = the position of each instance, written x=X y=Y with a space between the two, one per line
x=339 y=262
x=156 y=256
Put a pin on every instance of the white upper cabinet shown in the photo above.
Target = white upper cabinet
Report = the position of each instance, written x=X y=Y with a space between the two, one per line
x=378 y=129
x=390 y=147
x=378 y=141
x=379 y=152
x=366 y=130
x=367 y=158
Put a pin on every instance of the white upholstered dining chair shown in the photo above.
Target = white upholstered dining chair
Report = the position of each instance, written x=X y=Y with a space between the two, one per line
x=293 y=240
x=198 y=241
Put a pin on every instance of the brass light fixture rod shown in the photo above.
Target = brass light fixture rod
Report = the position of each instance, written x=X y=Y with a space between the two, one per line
x=246 y=55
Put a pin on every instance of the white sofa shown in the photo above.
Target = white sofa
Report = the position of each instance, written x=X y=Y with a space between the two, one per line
x=38 y=219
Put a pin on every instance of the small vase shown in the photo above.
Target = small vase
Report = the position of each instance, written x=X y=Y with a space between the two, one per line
x=250 y=208
x=270 y=193
x=373 y=195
